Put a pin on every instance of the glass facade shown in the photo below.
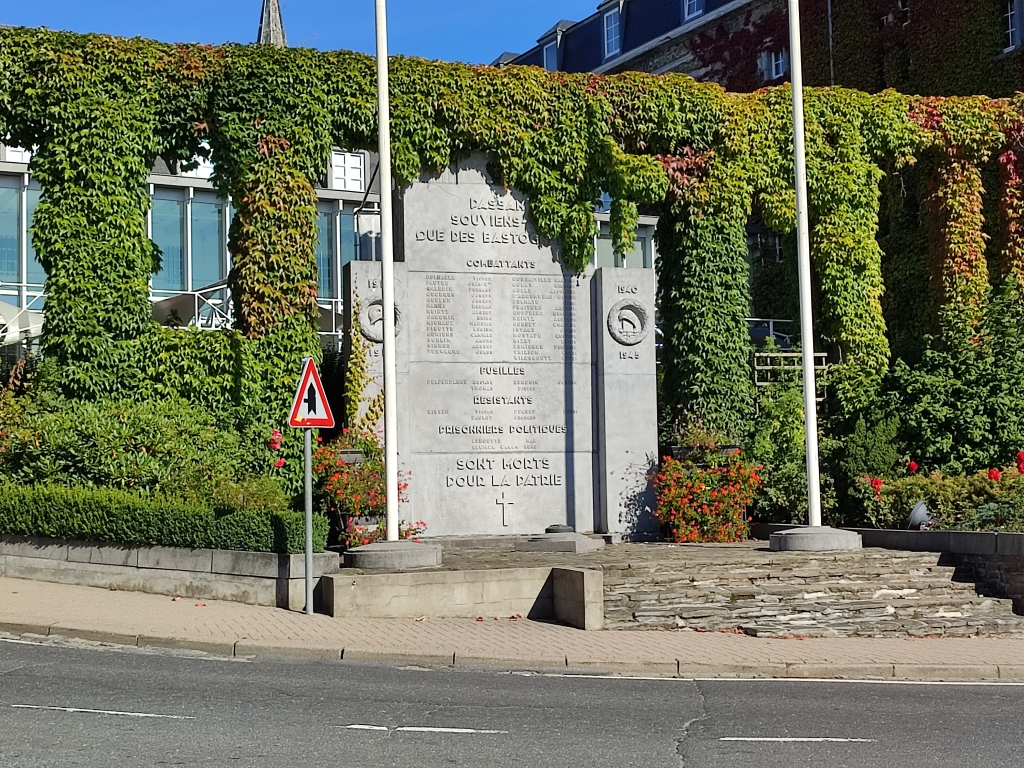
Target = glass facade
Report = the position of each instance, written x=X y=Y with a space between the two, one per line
x=35 y=275
x=10 y=229
x=168 y=232
x=336 y=246
x=325 y=257
x=638 y=258
x=208 y=239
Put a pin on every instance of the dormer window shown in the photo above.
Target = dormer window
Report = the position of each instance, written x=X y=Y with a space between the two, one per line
x=1011 y=28
x=611 y=34
x=779 y=64
x=551 y=57
x=692 y=9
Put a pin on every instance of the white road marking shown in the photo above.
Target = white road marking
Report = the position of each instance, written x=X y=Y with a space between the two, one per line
x=418 y=729
x=104 y=712
x=425 y=729
x=979 y=683
x=787 y=740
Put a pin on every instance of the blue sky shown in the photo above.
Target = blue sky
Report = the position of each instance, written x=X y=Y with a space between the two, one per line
x=454 y=30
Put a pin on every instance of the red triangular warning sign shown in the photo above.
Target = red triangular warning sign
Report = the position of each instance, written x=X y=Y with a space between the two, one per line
x=310 y=408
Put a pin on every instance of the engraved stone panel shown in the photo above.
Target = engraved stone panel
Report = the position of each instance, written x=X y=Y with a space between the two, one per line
x=500 y=369
x=526 y=393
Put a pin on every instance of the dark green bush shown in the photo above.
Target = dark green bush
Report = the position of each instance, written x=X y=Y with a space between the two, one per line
x=977 y=502
x=776 y=443
x=122 y=517
x=167 y=447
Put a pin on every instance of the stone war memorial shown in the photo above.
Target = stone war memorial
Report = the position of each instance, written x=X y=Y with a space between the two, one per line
x=526 y=391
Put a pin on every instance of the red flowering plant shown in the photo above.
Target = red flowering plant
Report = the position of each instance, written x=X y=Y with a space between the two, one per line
x=706 y=504
x=348 y=491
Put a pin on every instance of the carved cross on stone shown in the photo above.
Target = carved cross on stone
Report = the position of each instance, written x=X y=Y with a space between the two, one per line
x=504 y=508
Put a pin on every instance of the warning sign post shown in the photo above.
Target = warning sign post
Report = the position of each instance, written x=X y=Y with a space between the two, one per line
x=310 y=410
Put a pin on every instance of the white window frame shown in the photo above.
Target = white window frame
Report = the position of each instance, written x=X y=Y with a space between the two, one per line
x=778 y=64
x=347 y=162
x=1011 y=25
x=609 y=51
x=202 y=171
x=553 y=48
x=903 y=6
x=692 y=9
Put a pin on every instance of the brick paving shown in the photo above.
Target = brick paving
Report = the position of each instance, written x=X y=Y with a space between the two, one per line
x=40 y=608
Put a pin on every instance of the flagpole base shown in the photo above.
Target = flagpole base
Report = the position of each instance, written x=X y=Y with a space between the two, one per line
x=815 y=539
x=393 y=556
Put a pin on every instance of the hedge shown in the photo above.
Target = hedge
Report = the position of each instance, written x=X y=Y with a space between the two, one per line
x=120 y=517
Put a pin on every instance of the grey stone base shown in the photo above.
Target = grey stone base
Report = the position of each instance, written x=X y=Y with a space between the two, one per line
x=560 y=542
x=256 y=578
x=815 y=539
x=394 y=556
x=573 y=596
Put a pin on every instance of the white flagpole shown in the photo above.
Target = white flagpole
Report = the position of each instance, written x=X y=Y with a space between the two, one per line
x=387 y=268
x=804 y=259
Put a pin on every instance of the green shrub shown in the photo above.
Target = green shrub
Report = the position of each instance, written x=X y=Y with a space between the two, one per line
x=975 y=502
x=122 y=517
x=167 y=447
x=776 y=442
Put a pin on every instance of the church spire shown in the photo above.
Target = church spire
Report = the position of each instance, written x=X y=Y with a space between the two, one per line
x=271 y=25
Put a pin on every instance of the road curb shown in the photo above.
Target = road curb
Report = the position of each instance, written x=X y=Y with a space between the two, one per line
x=674 y=668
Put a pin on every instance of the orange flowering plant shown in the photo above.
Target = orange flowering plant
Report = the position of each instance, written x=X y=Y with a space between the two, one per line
x=352 y=489
x=706 y=504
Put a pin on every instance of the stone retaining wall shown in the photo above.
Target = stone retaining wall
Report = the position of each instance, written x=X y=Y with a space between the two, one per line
x=256 y=578
x=993 y=559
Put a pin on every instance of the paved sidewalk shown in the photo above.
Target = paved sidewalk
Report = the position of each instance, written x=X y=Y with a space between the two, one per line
x=132 y=618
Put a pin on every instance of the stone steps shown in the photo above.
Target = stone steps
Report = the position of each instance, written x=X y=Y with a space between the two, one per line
x=870 y=593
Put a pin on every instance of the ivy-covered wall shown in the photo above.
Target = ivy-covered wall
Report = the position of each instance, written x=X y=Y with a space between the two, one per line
x=98 y=111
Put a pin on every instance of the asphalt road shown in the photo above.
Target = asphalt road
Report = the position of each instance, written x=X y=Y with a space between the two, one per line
x=71 y=706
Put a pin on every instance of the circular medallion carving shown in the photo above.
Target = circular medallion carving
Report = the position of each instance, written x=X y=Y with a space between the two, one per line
x=371 y=320
x=628 y=322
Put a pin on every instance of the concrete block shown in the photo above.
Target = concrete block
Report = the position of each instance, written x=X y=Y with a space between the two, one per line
x=690 y=669
x=953 y=672
x=814 y=539
x=1010 y=544
x=884 y=539
x=269 y=565
x=176 y=559
x=667 y=668
x=190 y=584
x=424 y=659
x=19 y=628
x=394 y=556
x=1011 y=671
x=972 y=543
x=80 y=552
x=97 y=635
x=216 y=647
x=840 y=671
x=560 y=542
x=305 y=651
x=928 y=541
x=31 y=546
x=578 y=597
x=440 y=594
x=266 y=565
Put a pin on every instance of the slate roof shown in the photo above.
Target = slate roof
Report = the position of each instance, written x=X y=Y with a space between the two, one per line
x=582 y=43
